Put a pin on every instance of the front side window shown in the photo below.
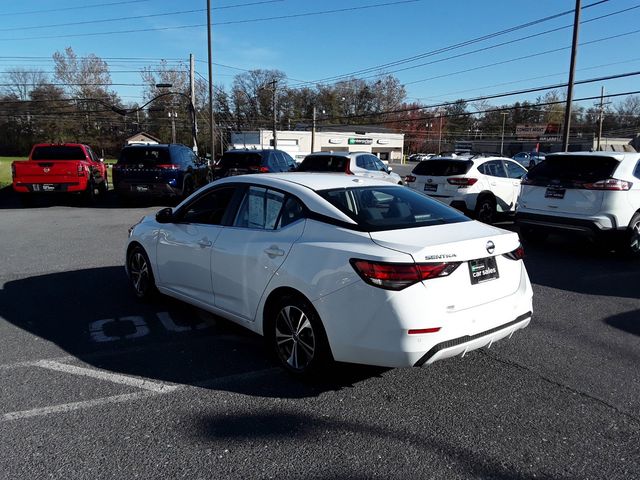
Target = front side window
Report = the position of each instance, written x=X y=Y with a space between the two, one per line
x=259 y=209
x=210 y=208
x=514 y=170
x=389 y=208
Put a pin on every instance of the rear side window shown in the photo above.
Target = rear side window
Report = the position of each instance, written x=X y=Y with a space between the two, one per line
x=574 y=168
x=493 y=168
x=324 y=163
x=636 y=172
x=145 y=155
x=260 y=209
x=241 y=159
x=58 y=152
x=390 y=208
x=442 y=168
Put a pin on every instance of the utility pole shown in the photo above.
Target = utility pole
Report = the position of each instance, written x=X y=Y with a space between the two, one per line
x=601 y=117
x=194 y=125
x=313 y=131
x=211 y=117
x=172 y=116
x=574 y=53
x=440 y=135
x=275 y=116
x=504 y=119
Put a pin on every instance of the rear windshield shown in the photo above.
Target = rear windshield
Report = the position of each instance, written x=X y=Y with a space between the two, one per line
x=145 y=155
x=241 y=159
x=442 y=168
x=58 y=153
x=324 y=163
x=575 y=168
x=390 y=207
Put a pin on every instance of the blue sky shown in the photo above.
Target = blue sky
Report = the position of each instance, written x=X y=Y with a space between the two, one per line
x=314 y=47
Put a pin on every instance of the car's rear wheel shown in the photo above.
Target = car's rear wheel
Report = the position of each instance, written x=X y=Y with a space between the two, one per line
x=140 y=273
x=629 y=244
x=297 y=337
x=89 y=194
x=486 y=209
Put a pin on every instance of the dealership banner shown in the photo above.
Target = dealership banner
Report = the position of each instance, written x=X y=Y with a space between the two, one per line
x=536 y=130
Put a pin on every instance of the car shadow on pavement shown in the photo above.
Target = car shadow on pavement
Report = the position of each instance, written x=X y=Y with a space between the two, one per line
x=291 y=430
x=93 y=316
x=627 y=322
x=581 y=266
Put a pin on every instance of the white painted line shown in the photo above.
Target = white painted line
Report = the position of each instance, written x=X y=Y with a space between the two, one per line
x=109 y=377
x=212 y=382
x=69 y=407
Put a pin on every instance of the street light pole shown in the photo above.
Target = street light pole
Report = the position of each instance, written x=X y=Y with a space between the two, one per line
x=504 y=119
x=211 y=117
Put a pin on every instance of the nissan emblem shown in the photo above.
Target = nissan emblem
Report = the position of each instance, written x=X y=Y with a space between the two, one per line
x=490 y=247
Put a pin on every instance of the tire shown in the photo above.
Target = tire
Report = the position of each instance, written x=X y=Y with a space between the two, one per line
x=629 y=244
x=532 y=235
x=485 y=211
x=103 y=188
x=297 y=338
x=89 y=195
x=140 y=274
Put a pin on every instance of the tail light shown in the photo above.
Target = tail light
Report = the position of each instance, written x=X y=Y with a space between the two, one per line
x=462 y=182
x=82 y=170
x=410 y=179
x=263 y=170
x=608 y=184
x=168 y=166
x=396 y=276
x=517 y=254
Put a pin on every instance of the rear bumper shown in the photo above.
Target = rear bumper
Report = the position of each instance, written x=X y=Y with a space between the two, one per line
x=62 y=187
x=595 y=225
x=146 y=189
x=467 y=343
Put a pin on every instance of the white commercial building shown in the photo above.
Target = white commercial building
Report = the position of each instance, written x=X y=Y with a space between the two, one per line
x=386 y=145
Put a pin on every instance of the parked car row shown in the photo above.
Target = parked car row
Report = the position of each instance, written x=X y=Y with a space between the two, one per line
x=591 y=193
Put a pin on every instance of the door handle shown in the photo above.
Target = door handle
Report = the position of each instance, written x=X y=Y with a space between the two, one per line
x=274 y=251
x=204 y=243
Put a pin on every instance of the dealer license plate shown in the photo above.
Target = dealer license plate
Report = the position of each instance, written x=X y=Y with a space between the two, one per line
x=430 y=187
x=142 y=188
x=482 y=270
x=48 y=187
x=552 y=192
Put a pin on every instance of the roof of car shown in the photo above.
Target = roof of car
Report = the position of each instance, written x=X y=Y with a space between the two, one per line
x=337 y=154
x=617 y=155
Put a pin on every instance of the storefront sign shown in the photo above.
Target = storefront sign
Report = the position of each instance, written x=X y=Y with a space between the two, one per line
x=360 y=141
x=383 y=141
x=335 y=141
x=533 y=131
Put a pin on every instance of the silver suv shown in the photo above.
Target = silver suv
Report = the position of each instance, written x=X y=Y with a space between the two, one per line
x=362 y=164
x=594 y=193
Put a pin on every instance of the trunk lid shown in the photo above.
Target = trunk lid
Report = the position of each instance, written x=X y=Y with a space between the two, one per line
x=47 y=171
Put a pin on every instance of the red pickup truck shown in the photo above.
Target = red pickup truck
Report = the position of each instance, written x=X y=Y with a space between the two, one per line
x=67 y=167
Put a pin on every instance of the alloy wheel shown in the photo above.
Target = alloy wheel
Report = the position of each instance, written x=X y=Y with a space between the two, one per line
x=485 y=212
x=634 y=242
x=139 y=273
x=295 y=338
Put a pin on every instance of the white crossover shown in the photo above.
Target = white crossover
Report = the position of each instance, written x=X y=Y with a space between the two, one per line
x=336 y=268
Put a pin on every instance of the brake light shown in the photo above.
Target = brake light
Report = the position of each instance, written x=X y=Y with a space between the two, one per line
x=462 y=182
x=419 y=331
x=396 y=276
x=517 y=254
x=168 y=166
x=410 y=179
x=608 y=184
x=263 y=170
x=82 y=171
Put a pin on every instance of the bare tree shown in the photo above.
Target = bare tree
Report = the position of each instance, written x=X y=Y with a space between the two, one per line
x=21 y=81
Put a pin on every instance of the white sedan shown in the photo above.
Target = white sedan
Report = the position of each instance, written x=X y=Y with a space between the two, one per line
x=335 y=268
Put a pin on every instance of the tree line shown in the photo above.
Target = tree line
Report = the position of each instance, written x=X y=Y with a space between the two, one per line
x=77 y=103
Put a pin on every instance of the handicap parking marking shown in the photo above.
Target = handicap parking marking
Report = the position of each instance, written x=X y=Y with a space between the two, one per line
x=102 y=331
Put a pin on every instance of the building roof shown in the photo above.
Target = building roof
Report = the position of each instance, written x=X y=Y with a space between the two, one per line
x=140 y=136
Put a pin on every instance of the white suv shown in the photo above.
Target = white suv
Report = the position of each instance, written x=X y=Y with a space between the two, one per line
x=362 y=164
x=597 y=193
x=479 y=185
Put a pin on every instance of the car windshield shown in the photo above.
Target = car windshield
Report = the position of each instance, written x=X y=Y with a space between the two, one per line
x=58 y=153
x=390 y=207
x=441 y=168
x=575 y=168
x=241 y=159
x=145 y=155
x=324 y=163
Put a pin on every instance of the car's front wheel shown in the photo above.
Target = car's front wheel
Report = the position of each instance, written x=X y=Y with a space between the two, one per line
x=140 y=273
x=297 y=337
x=629 y=244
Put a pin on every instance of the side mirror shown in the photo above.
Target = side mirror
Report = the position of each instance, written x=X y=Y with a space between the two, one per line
x=101 y=160
x=165 y=215
x=389 y=169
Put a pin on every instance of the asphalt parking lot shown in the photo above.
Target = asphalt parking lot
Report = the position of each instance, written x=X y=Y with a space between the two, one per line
x=96 y=384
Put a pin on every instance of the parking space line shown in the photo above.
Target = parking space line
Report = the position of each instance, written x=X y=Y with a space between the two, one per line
x=68 y=407
x=109 y=377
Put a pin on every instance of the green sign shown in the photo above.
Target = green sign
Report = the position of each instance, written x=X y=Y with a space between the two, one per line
x=360 y=141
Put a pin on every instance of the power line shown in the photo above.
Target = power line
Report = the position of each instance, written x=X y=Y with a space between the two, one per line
x=137 y=17
x=231 y=22
x=95 y=5
x=454 y=46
